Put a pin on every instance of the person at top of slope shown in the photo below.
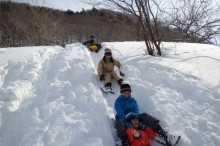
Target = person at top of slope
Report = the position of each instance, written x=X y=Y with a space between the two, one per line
x=92 y=45
x=126 y=104
x=106 y=69
x=138 y=134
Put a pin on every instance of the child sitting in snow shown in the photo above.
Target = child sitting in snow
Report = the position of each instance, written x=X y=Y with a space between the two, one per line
x=125 y=104
x=92 y=45
x=106 y=70
x=137 y=133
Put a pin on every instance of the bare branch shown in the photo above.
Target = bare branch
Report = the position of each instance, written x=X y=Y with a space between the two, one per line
x=196 y=19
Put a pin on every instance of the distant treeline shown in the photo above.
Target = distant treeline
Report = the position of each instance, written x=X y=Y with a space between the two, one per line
x=26 y=25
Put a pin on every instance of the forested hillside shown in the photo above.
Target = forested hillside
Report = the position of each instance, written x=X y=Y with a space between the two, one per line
x=26 y=25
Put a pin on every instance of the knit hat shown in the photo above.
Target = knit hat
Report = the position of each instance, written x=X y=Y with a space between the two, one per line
x=125 y=87
x=107 y=50
x=131 y=116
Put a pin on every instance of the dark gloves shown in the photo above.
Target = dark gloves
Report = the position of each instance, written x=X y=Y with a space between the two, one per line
x=128 y=125
x=102 y=78
x=122 y=74
x=142 y=126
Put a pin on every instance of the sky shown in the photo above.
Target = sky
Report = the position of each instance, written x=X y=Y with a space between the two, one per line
x=50 y=95
x=74 y=5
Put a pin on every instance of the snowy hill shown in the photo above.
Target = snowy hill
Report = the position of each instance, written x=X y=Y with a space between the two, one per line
x=50 y=95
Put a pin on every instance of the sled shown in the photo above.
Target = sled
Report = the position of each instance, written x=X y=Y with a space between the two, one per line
x=95 y=47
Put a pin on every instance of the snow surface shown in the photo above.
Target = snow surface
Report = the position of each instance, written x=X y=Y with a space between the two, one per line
x=50 y=95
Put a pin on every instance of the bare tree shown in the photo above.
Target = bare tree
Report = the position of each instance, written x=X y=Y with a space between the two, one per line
x=198 y=20
x=147 y=13
x=24 y=25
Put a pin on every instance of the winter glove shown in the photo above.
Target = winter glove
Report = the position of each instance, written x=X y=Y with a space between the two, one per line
x=142 y=126
x=122 y=74
x=102 y=78
x=128 y=125
x=136 y=134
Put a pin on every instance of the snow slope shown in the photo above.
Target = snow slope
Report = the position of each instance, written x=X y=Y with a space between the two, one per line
x=50 y=95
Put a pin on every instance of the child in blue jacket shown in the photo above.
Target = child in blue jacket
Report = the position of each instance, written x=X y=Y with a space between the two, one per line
x=125 y=104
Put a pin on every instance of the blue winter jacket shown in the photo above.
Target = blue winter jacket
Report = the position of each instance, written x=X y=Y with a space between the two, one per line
x=124 y=105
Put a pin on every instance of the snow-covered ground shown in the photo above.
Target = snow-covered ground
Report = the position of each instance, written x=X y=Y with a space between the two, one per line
x=50 y=95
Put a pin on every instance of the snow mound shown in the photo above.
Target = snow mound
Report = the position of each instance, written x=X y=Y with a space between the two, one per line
x=50 y=96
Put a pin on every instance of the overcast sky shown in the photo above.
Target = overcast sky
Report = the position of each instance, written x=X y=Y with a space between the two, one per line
x=74 y=5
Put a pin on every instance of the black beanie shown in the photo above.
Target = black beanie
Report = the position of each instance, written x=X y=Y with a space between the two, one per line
x=125 y=87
